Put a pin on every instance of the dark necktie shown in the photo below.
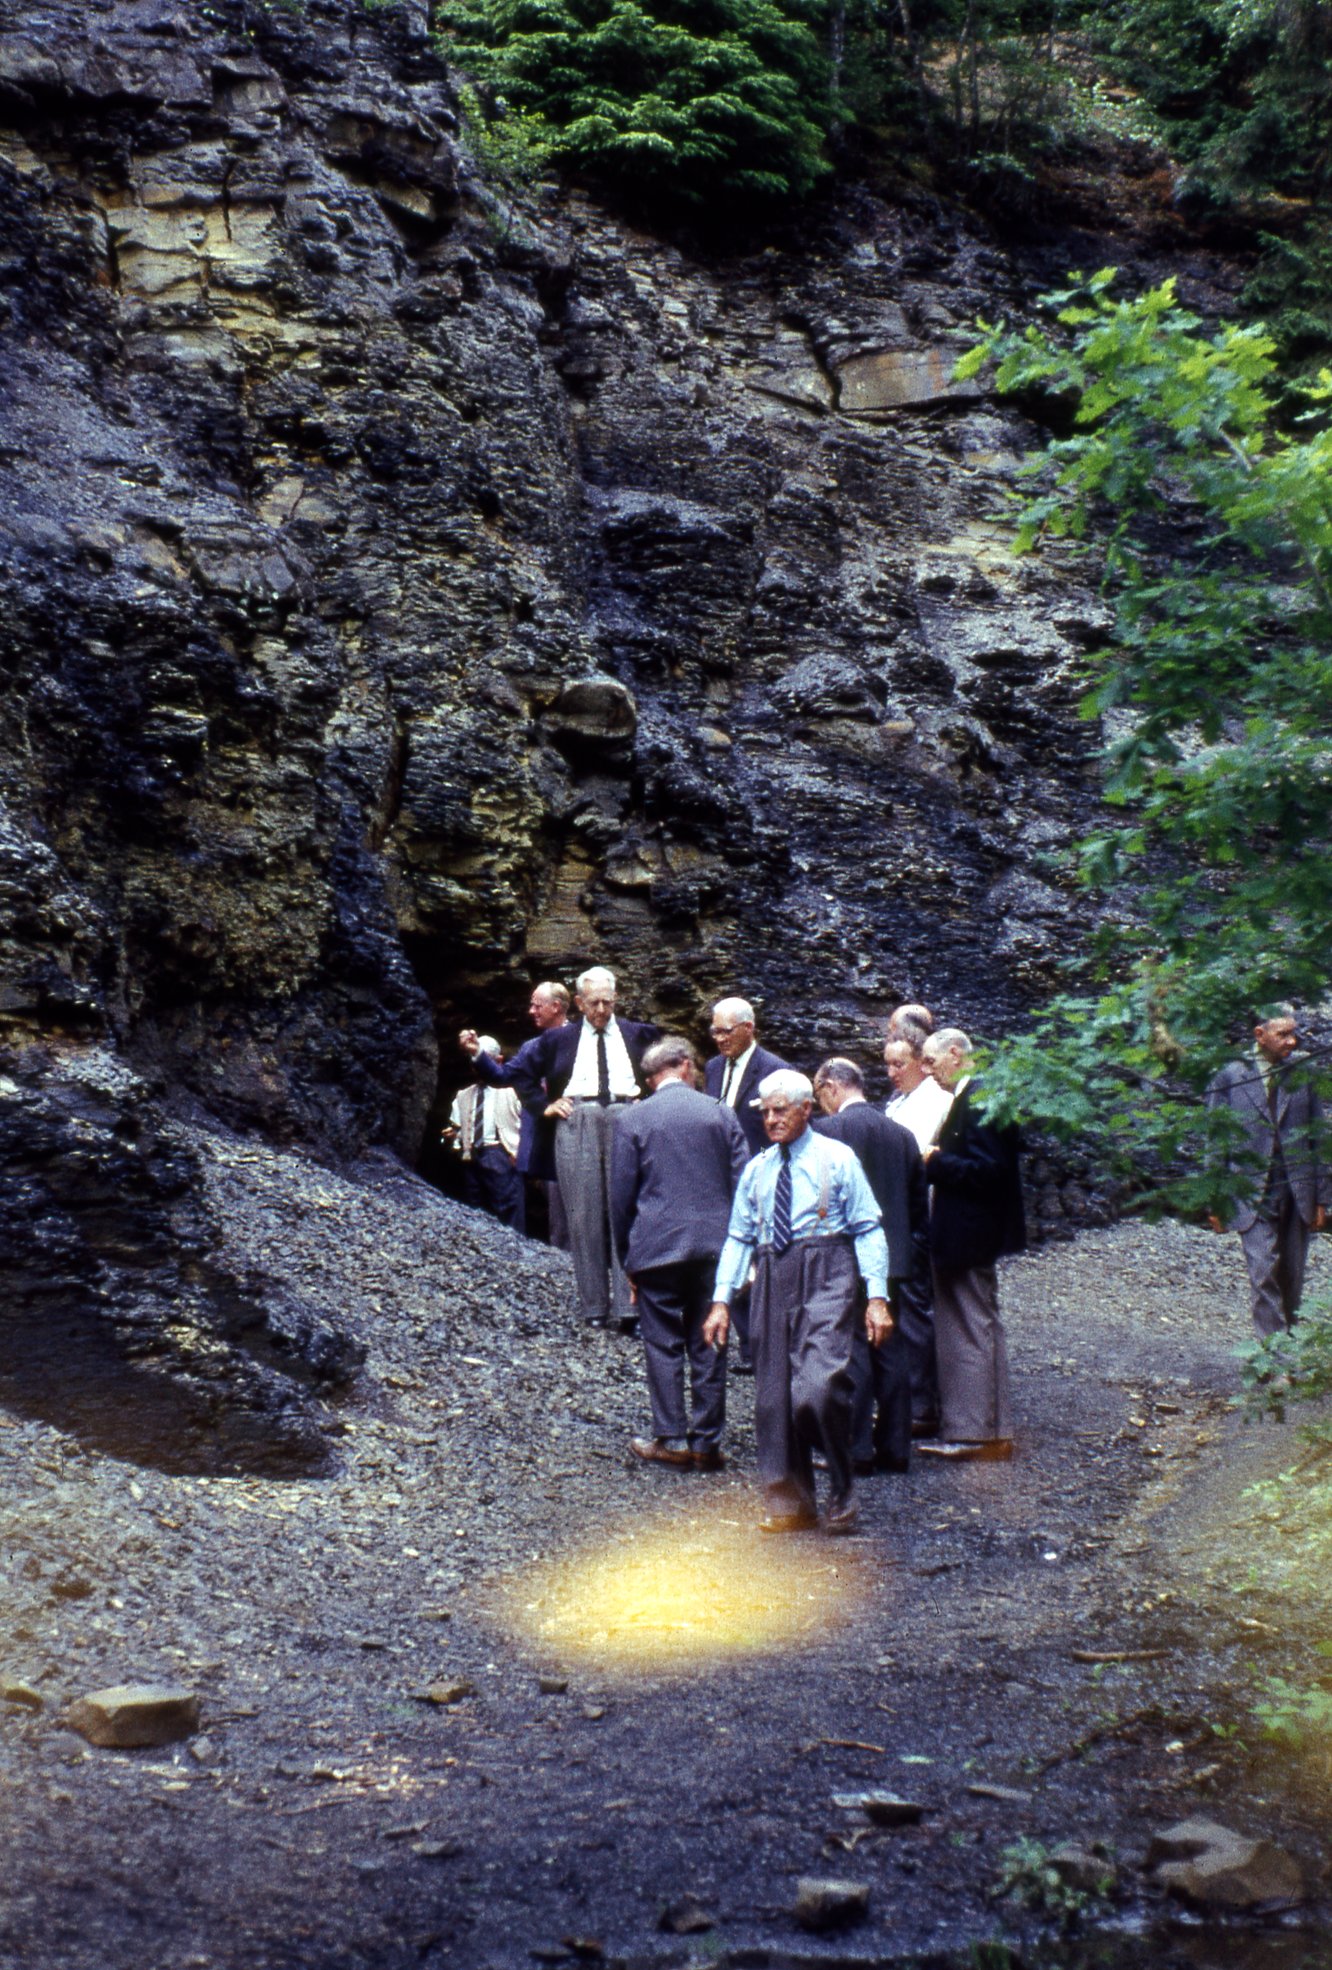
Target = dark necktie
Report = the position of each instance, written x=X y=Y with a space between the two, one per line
x=479 y=1120
x=726 y=1082
x=603 y=1072
x=781 y=1204
x=1272 y=1095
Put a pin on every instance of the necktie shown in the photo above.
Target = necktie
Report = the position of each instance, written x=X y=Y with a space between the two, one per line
x=603 y=1072
x=781 y=1204
x=726 y=1083
x=479 y=1119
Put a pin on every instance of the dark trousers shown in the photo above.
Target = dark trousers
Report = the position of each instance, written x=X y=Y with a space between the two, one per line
x=915 y=1320
x=802 y=1321
x=1276 y=1250
x=491 y=1183
x=881 y=1394
x=673 y=1303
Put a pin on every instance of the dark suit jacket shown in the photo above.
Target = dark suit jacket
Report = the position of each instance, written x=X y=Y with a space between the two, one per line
x=675 y=1162
x=1241 y=1088
x=761 y=1062
x=977 y=1215
x=890 y=1158
x=539 y=1073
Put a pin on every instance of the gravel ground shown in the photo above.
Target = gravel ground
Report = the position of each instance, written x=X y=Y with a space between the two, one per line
x=483 y=1534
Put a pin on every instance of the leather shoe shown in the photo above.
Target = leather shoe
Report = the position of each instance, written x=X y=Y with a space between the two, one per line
x=842 y=1518
x=740 y=1366
x=653 y=1451
x=708 y=1460
x=924 y=1425
x=997 y=1450
x=864 y=1466
x=788 y=1522
x=898 y=1466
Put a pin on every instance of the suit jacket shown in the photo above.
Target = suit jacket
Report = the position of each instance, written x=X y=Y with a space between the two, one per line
x=1240 y=1087
x=977 y=1214
x=891 y=1162
x=675 y=1162
x=539 y=1073
x=761 y=1062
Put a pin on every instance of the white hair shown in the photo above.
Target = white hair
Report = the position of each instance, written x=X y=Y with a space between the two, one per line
x=944 y=1041
x=738 y=1011
x=785 y=1084
x=596 y=974
x=485 y=1044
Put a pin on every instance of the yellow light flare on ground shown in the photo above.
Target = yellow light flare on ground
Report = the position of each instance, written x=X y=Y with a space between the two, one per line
x=687 y=1587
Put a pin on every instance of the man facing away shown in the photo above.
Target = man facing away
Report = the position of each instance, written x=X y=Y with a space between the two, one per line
x=587 y=1070
x=485 y=1125
x=976 y=1217
x=732 y=1077
x=891 y=1161
x=805 y=1216
x=548 y=1009
x=919 y=1104
x=675 y=1162
x=1279 y=1156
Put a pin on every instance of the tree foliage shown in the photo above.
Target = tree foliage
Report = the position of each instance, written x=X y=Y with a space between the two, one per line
x=1212 y=868
x=685 y=100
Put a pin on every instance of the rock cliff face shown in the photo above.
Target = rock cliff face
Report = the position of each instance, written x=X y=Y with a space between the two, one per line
x=405 y=596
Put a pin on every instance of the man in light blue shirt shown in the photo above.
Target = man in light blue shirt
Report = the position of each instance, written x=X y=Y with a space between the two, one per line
x=806 y=1218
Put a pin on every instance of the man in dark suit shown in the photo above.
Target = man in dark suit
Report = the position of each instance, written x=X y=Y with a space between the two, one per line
x=732 y=1077
x=675 y=1162
x=585 y=1071
x=548 y=1009
x=1278 y=1158
x=891 y=1161
x=737 y=1067
x=976 y=1218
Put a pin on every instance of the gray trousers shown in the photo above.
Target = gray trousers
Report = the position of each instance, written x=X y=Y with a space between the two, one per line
x=1276 y=1248
x=582 y=1165
x=802 y=1322
x=974 y=1401
x=673 y=1303
x=559 y=1223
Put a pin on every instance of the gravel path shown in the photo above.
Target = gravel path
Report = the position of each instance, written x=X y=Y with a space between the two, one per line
x=647 y=1703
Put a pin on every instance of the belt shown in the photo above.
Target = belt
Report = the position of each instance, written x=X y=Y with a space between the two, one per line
x=594 y=1101
x=810 y=1238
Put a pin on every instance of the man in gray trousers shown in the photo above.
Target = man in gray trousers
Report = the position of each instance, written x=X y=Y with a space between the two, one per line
x=675 y=1161
x=1277 y=1156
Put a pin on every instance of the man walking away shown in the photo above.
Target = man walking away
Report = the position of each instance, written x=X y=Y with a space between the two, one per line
x=805 y=1215
x=881 y=1402
x=675 y=1162
x=976 y=1218
x=1280 y=1160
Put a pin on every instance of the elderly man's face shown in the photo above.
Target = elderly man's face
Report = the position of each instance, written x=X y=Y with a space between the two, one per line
x=544 y=1011
x=1277 y=1039
x=786 y=1120
x=732 y=1037
x=905 y=1072
x=946 y=1065
x=597 y=1005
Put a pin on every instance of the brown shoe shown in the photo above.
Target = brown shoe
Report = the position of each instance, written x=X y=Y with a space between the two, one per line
x=789 y=1522
x=653 y=1451
x=708 y=1460
x=997 y=1450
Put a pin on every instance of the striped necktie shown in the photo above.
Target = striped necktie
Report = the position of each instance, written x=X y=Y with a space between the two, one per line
x=781 y=1204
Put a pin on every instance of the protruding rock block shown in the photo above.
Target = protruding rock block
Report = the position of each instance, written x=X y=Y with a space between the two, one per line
x=822 y=1904
x=899 y=379
x=135 y=1714
x=597 y=710
x=1212 y=1864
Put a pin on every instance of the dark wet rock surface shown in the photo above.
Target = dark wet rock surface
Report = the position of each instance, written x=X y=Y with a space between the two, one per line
x=647 y=1704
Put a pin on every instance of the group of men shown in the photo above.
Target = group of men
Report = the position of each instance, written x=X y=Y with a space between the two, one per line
x=851 y=1250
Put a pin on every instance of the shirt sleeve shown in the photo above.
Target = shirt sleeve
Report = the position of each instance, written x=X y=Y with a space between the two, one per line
x=864 y=1221
x=741 y=1236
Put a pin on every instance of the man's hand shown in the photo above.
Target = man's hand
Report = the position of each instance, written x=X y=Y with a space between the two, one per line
x=561 y=1109
x=633 y=1290
x=469 y=1041
x=926 y=1154
x=717 y=1325
x=1216 y=1223
x=1320 y=1218
x=878 y=1322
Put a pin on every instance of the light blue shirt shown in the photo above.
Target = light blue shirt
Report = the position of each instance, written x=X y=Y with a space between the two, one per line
x=821 y=1169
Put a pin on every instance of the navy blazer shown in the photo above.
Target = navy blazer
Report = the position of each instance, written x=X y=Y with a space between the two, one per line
x=676 y=1159
x=761 y=1063
x=539 y=1073
x=890 y=1158
x=977 y=1215
x=536 y=1133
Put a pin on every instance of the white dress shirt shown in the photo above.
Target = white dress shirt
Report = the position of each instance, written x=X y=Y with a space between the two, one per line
x=922 y=1111
x=736 y=1069
x=583 y=1081
x=486 y=1116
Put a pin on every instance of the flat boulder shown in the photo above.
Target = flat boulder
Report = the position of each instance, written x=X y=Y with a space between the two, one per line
x=825 y=1904
x=1205 y=1862
x=135 y=1714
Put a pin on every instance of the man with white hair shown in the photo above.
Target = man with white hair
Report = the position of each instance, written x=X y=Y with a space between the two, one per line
x=739 y=1064
x=589 y=1068
x=976 y=1217
x=484 y=1127
x=547 y=1008
x=805 y=1217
